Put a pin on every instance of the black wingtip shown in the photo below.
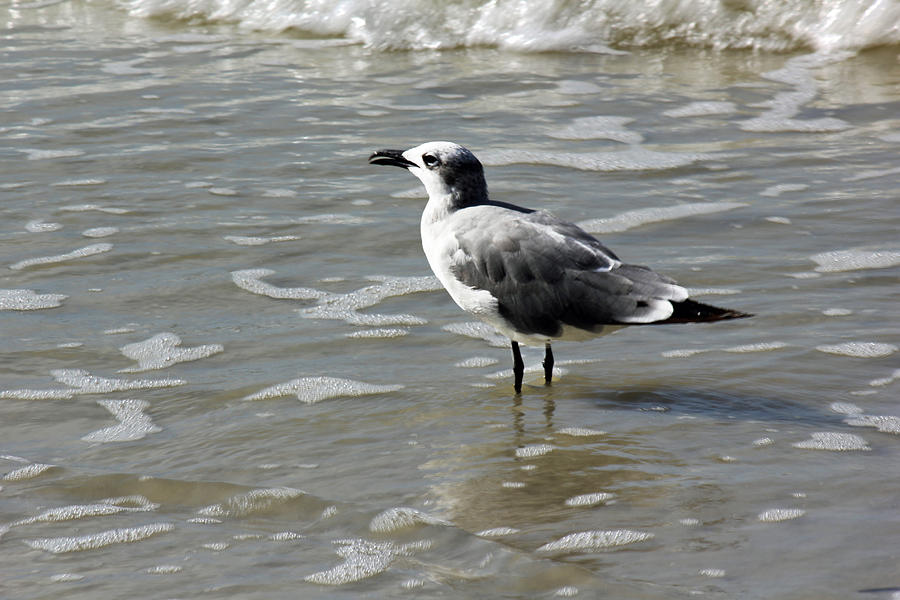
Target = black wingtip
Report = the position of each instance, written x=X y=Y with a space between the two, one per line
x=691 y=311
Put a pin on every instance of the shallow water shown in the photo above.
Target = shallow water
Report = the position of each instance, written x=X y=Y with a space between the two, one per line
x=227 y=371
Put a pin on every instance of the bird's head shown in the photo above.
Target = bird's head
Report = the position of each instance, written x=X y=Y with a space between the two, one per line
x=445 y=168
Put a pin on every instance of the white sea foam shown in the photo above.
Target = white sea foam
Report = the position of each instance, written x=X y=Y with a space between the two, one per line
x=593 y=541
x=856 y=259
x=477 y=330
x=476 y=362
x=65 y=577
x=363 y=559
x=134 y=424
x=164 y=569
x=381 y=333
x=88 y=181
x=13 y=458
x=258 y=501
x=775 y=515
x=497 y=532
x=85 y=383
x=27 y=472
x=859 y=349
x=835 y=442
x=413 y=584
x=845 y=408
x=344 y=307
x=644 y=216
x=91 y=250
x=242 y=240
x=529 y=370
x=315 y=389
x=102 y=539
x=163 y=350
x=566 y=591
x=533 y=450
x=883 y=423
x=103 y=508
x=773 y=191
x=784 y=107
x=285 y=536
x=744 y=348
x=580 y=431
x=760 y=347
x=702 y=109
x=279 y=193
x=37 y=394
x=29 y=300
x=262 y=221
x=120 y=330
x=15 y=185
x=633 y=158
x=205 y=521
x=402 y=517
x=35 y=154
x=684 y=352
x=588 y=500
x=599 y=128
x=250 y=280
x=42 y=227
x=216 y=546
x=330 y=219
x=775 y=122
x=881 y=381
x=94 y=207
x=568 y=25
x=99 y=232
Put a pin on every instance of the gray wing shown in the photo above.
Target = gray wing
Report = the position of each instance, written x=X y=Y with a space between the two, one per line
x=546 y=273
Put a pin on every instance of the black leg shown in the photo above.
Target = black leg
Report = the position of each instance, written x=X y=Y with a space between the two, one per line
x=548 y=364
x=518 y=367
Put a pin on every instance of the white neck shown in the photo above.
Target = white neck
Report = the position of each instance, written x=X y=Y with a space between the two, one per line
x=437 y=209
x=438 y=247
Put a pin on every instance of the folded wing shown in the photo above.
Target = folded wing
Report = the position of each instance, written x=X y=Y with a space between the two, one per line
x=546 y=274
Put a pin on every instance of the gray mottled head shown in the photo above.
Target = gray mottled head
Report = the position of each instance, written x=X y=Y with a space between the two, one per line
x=446 y=169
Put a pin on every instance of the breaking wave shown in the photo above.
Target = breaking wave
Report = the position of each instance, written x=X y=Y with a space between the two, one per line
x=564 y=25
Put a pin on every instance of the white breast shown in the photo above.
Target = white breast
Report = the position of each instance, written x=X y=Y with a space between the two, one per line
x=440 y=246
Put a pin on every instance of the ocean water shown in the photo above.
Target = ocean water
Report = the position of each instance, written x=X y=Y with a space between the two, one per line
x=226 y=370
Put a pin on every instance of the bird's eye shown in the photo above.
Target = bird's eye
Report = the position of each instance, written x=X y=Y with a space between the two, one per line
x=430 y=160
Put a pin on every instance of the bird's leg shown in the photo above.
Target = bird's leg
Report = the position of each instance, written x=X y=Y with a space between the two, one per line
x=548 y=364
x=518 y=367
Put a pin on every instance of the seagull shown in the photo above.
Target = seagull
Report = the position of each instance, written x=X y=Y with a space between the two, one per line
x=532 y=276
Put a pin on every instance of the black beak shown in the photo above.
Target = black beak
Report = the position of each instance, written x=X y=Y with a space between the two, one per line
x=393 y=158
